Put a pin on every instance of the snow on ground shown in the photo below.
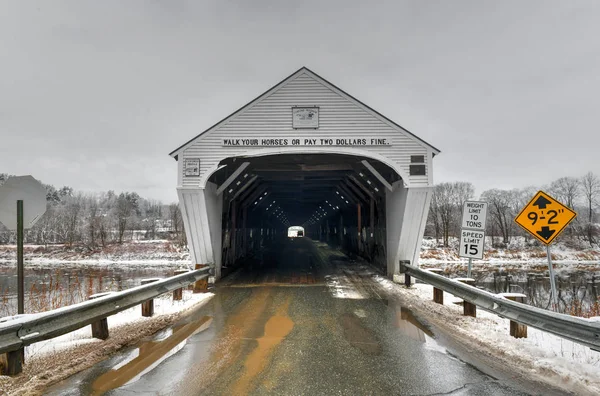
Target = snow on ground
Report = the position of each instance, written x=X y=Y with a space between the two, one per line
x=555 y=360
x=519 y=249
x=51 y=361
x=152 y=252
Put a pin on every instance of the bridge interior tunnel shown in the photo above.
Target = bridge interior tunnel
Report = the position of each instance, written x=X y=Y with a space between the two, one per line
x=338 y=199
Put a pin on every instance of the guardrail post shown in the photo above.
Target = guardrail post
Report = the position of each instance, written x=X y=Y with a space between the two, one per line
x=201 y=286
x=148 y=306
x=438 y=294
x=469 y=309
x=11 y=363
x=517 y=330
x=407 y=279
x=100 y=328
x=178 y=293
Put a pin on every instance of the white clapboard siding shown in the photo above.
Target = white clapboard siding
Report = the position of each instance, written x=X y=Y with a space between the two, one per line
x=340 y=116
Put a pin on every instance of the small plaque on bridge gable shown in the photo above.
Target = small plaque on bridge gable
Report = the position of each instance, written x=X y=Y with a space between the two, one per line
x=305 y=117
x=417 y=170
x=191 y=167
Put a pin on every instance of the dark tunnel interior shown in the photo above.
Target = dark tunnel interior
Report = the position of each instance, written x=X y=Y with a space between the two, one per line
x=338 y=199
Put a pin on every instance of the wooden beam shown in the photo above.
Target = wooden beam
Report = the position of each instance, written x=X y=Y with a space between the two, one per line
x=348 y=194
x=231 y=178
x=362 y=186
x=377 y=175
x=355 y=190
x=244 y=187
x=252 y=197
x=260 y=201
x=305 y=168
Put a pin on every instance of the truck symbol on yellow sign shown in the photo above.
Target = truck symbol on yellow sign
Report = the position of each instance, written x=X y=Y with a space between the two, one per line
x=544 y=217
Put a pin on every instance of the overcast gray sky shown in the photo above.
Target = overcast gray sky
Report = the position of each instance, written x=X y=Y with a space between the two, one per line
x=95 y=94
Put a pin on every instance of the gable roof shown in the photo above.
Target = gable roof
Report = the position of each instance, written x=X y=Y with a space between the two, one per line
x=322 y=80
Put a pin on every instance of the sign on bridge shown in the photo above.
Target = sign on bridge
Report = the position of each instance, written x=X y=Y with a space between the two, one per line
x=544 y=217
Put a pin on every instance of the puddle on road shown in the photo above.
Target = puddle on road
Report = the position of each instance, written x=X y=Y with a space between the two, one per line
x=147 y=356
x=359 y=335
x=405 y=321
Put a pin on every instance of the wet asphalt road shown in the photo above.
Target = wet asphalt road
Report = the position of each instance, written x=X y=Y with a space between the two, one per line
x=302 y=321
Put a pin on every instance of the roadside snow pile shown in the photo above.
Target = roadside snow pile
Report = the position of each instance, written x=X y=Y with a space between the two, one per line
x=543 y=356
x=51 y=361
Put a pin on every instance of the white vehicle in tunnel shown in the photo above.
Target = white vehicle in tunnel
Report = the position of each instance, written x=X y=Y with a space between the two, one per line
x=295 y=232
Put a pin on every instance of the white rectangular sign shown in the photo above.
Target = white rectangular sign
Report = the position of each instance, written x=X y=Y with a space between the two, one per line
x=191 y=167
x=307 y=141
x=474 y=215
x=305 y=117
x=471 y=244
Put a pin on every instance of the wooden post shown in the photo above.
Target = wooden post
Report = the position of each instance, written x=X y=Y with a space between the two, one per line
x=359 y=226
x=178 y=293
x=372 y=217
x=517 y=330
x=201 y=286
x=100 y=328
x=11 y=363
x=233 y=235
x=245 y=238
x=469 y=309
x=402 y=270
x=438 y=294
x=148 y=306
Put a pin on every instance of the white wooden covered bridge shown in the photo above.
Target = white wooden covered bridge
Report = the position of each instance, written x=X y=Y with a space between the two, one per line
x=305 y=153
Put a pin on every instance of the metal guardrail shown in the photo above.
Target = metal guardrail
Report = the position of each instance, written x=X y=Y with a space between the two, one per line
x=581 y=330
x=23 y=330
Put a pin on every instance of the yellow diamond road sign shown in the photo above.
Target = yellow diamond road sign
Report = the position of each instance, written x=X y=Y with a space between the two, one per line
x=544 y=217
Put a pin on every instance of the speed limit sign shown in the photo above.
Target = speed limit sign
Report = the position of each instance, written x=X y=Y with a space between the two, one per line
x=471 y=244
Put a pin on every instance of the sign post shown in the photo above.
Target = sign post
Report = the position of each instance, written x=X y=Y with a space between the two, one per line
x=472 y=232
x=545 y=218
x=20 y=266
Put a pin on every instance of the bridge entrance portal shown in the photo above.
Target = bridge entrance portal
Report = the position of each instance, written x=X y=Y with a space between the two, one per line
x=305 y=153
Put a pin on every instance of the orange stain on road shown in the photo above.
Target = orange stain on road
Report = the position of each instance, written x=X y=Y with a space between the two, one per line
x=276 y=329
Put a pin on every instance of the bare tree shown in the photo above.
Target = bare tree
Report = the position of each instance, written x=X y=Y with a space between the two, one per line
x=500 y=206
x=123 y=210
x=93 y=220
x=566 y=190
x=590 y=185
x=447 y=203
x=434 y=216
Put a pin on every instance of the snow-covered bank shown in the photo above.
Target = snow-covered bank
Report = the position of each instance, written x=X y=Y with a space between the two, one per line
x=520 y=254
x=542 y=356
x=157 y=251
x=51 y=361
